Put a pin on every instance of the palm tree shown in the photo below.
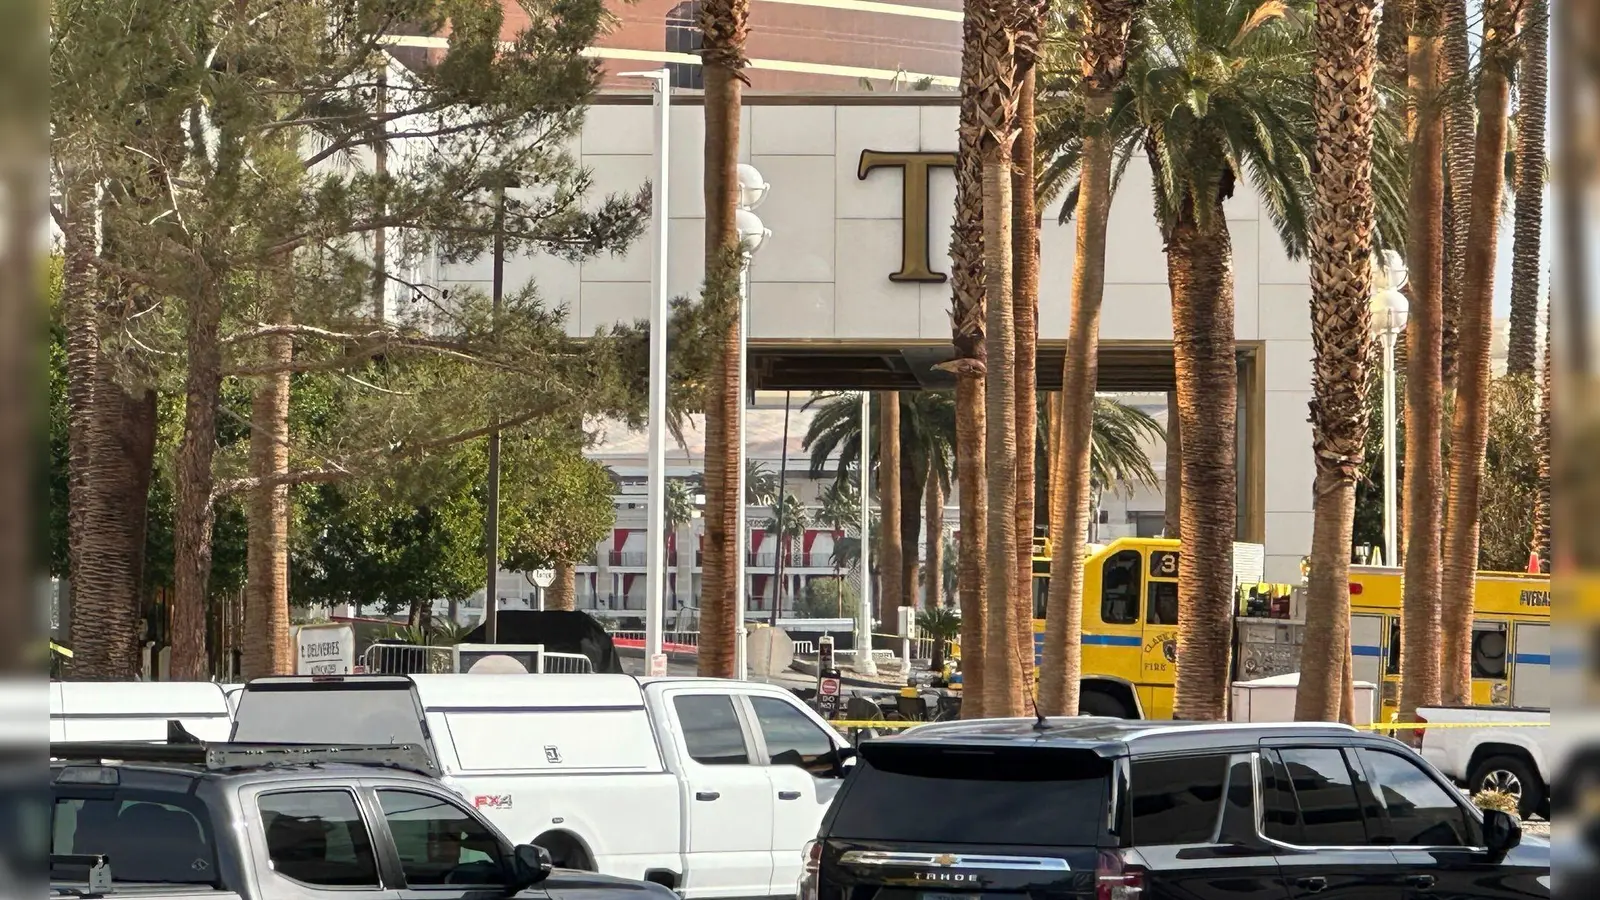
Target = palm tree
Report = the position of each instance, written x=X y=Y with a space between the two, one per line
x=266 y=603
x=933 y=515
x=841 y=508
x=1118 y=436
x=1469 y=430
x=1540 y=551
x=1103 y=46
x=1419 y=618
x=1533 y=83
x=927 y=439
x=679 y=510
x=793 y=521
x=889 y=478
x=1172 y=489
x=941 y=625
x=1455 y=80
x=723 y=27
x=1216 y=90
x=760 y=483
x=1342 y=220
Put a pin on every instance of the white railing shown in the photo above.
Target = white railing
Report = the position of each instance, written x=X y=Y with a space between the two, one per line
x=416 y=659
x=552 y=663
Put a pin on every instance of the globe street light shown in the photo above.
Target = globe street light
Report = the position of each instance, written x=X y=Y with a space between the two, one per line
x=1390 y=310
x=752 y=235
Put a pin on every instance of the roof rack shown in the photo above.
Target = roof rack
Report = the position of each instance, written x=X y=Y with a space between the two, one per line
x=221 y=757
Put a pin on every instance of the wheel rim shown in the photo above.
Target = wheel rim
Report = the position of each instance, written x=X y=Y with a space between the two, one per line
x=1503 y=781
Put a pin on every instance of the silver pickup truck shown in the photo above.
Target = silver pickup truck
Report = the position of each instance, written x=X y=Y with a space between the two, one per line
x=258 y=822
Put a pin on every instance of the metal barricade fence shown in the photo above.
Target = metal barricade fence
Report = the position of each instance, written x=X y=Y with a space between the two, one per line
x=565 y=663
x=407 y=659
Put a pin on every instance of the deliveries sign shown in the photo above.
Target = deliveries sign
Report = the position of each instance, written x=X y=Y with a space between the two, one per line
x=325 y=649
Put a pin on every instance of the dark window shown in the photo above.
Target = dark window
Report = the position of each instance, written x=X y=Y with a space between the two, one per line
x=439 y=843
x=1489 y=650
x=1420 y=812
x=147 y=836
x=917 y=794
x=317 y=837
x=684 y=36
x=1163 y=603
x=1239 y=805
x=792 y=738
x=1177 y=801
x=1280 y=819
x=1394 y=647
x=1119 y=588
x=711 y=729
x=1041 y=595
x=1325 y=793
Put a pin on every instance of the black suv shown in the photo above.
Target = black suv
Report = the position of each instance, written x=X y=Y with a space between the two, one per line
x=1123 y=810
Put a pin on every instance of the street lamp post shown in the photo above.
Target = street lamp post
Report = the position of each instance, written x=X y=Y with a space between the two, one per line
x=656 y=488
x=752 y=234
x=1390 y=309
x=865 y=664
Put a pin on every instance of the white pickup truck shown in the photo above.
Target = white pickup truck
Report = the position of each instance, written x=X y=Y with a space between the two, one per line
x=707 y=786
x=1509 y=749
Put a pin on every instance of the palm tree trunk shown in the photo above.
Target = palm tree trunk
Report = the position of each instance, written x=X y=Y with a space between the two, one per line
x=1469 y=433
x=723 y=24
x=933 y=514
x=1419 y=616
x=967 y=316
x=1533 y=84
x=913 y=472
x=269 y=650
x=892 y=550
x=1172 y=480
x=193 y=511
x=81 y=318
x=1200 y=270
x=1054 y=412
x=1003 y=681
x=1341 y=335
x=1540 y=549
x=1069 y=507
x=1455 y=74
x=1025 y=318
x=563 y=592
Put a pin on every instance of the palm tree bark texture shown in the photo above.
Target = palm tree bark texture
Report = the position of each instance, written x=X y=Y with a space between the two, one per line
x=967 y=334
x=1469 y=430
x=563 y=592
x=998 y=28
x=1455 y=77
x=1419 y=612
x=723 y=25
x=1540 y=549
x=892 y=592
x=1025 y=318
x=1342 y=222
x=1103 y=58
x=1533 y=85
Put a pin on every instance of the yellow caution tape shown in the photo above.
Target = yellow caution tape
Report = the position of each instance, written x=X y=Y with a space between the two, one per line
x=845 y=724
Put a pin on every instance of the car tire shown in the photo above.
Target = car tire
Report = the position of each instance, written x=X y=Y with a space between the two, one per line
x=1511 y=775
x=1096 y=703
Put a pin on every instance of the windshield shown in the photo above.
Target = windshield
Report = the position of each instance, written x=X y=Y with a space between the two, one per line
x=148 y=836
x=328 y=713
x=939 y=795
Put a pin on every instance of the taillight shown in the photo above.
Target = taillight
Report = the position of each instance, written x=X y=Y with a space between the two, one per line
x=809 y=876
x=1115 y=879
x=1416 y=733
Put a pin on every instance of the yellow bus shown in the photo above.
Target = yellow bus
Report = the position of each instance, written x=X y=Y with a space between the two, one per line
x=1130 y=630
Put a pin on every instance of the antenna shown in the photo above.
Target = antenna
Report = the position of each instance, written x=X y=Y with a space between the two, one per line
x=1040 y=723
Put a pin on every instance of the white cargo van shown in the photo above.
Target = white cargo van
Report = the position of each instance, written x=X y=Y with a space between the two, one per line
x=137 y=710
x=710 y=787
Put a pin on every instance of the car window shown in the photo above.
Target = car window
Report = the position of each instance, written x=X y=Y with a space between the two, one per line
x=1177 y=801
x=792 y=738
x=711 y=729
x=1163 y=606
x=1419 y=811
x=1119 y=588
x=1325 y=796
x=147 y=836
x=318 y=837
x=439 y=843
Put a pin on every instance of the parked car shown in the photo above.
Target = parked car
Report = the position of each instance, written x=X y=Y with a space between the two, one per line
x=710 y=787
x=217 y=822
x=1494 y=756
x=1108 y=808
x=137 y=710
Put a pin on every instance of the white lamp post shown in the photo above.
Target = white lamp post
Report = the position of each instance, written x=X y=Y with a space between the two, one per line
x=1390 y=309
x=752 y=234
x=865 y=664
x=656 y=489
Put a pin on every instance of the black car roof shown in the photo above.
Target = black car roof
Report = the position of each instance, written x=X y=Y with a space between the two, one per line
x=1113 y=737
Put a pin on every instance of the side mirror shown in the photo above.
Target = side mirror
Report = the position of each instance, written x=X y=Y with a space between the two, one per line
x=1501 y=832
x=529 y=866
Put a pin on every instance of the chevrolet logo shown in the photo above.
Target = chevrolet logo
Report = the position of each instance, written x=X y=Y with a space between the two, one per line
x=946 y=859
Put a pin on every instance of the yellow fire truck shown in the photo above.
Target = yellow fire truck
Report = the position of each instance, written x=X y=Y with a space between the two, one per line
x=1130 y=628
